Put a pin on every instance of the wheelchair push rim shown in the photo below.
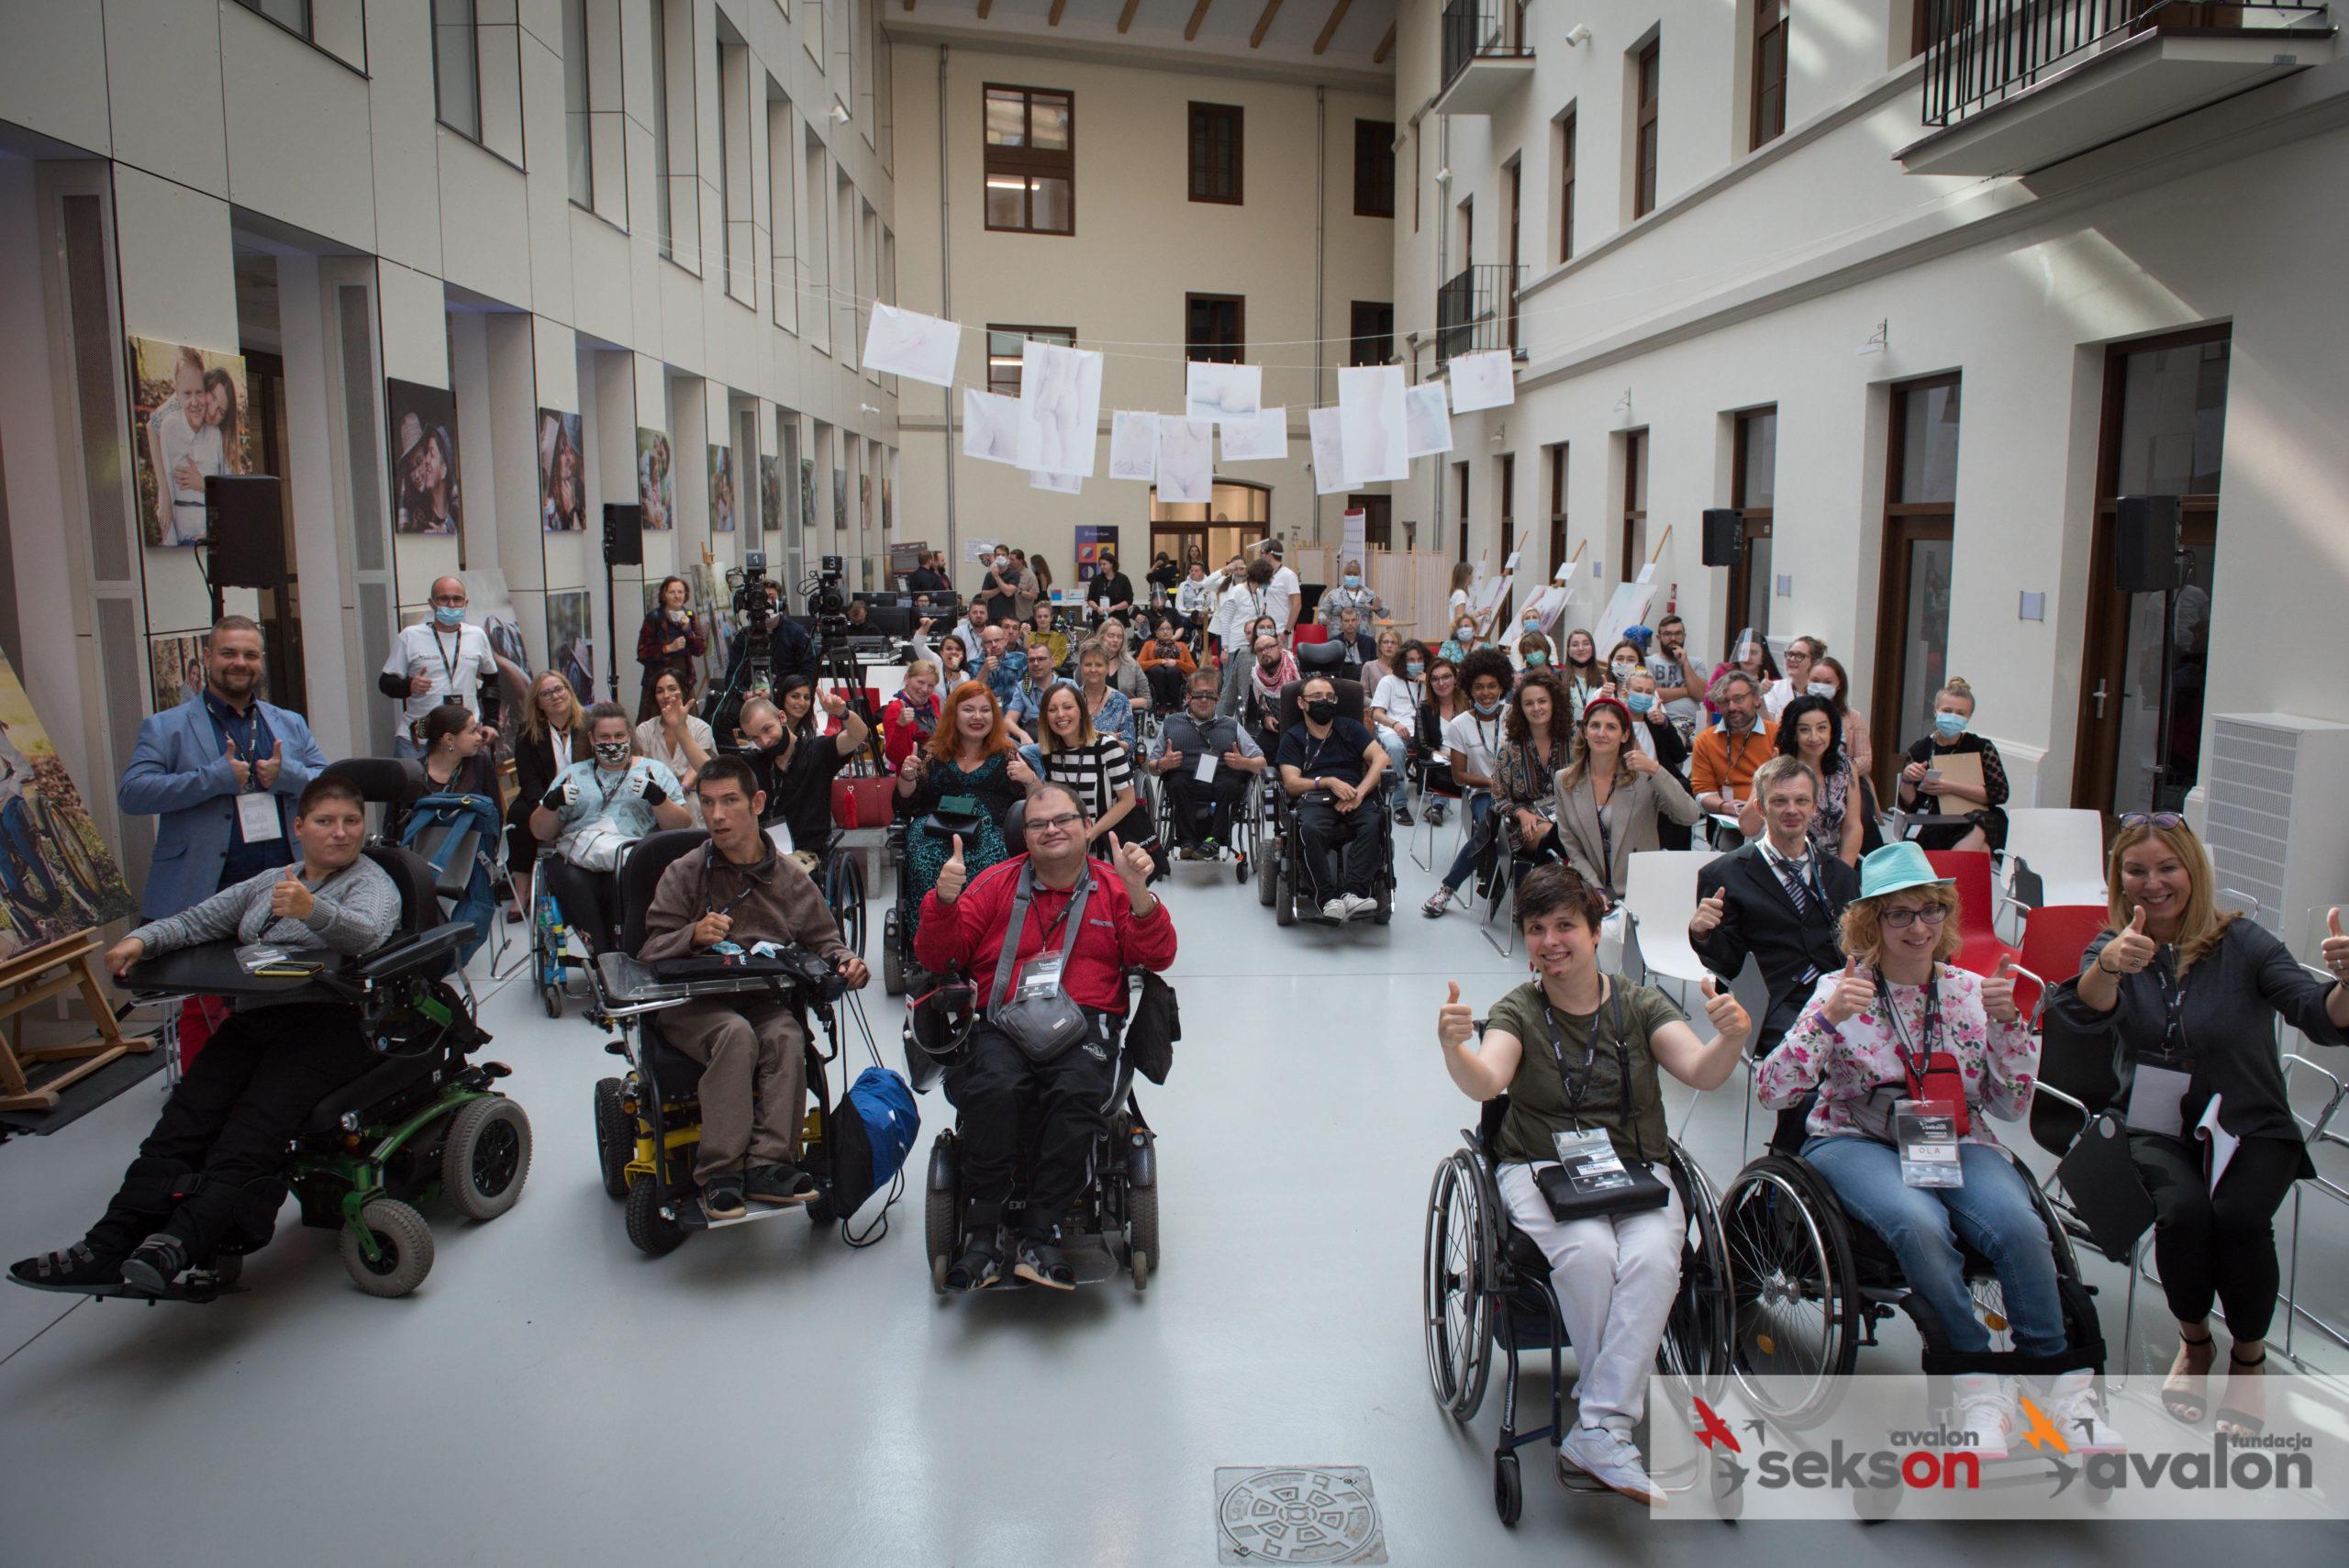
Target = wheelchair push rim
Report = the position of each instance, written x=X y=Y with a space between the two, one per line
x=1792 y=1321
x=1455 y=1308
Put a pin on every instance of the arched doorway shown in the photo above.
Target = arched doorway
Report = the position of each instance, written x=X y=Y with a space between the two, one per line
x=1237 y=513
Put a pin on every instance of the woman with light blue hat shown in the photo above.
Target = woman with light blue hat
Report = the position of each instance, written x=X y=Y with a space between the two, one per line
x=1899 y=1029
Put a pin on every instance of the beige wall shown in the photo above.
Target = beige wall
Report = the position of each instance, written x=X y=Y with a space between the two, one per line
x=1140 y=246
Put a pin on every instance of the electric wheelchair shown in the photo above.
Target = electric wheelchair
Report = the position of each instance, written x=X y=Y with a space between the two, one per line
x=1283 y=883
x=901 y=973
x=426 y=1122
x=1484 y=1285
x=648 y=1122
x=1114 y=1225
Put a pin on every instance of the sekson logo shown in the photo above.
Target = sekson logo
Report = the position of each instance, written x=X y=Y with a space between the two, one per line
x=2240 y=1464
x=1919 y=1469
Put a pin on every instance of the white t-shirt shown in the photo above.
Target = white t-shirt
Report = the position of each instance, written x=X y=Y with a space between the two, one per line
x=1232 y=612
x=1285 y=586
x=1774 y=699
x=177 y=441
x=1477 y=739
x=1400 y=700
x=457 y=664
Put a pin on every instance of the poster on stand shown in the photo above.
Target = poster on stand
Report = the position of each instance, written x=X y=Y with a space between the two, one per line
x=187 y=421
x=60 y=877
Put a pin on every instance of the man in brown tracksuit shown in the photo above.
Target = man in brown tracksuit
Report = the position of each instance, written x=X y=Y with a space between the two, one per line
x=753 y=1051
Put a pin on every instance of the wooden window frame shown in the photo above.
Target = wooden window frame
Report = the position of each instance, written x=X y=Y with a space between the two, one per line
x=1515 y=228
x=1215 y=352
x=1566 y=126
x=1559 y=457
x=1767 y=118
x=1647 y=132
x=1906 y=523
x=1027 y=162
x=1505 y=477
x=1207 y=116
x=1065 y=336
x=1635 y=516
x=1760 y=521
x=1378 y=136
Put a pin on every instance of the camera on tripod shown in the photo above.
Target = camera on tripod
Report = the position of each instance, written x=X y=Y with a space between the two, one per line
x=752 y=606
x=826 y=603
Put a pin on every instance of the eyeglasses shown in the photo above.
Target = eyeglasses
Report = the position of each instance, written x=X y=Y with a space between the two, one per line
x=2164 y=820
x=1053 y=824
x=1900 y=920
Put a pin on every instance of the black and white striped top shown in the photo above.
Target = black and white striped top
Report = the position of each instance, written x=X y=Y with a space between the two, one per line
x=1098 y=771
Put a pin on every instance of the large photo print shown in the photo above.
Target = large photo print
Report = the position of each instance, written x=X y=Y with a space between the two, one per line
x=424 y=458
x=57 y=876
x=187 y=418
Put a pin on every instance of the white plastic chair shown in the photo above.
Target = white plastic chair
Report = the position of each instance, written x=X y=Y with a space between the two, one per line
x=1660 y=890
x=2064 y=851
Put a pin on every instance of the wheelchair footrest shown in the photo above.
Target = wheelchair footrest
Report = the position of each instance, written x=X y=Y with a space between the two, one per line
x=1088 y=1258
x=688 y=1216
x=196 y=1284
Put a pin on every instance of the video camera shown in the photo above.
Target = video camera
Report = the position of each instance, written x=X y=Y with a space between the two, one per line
x=827 y=604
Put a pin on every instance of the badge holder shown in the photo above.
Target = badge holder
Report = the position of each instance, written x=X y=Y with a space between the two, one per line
x=1927 y=1134
x=2156 y=1096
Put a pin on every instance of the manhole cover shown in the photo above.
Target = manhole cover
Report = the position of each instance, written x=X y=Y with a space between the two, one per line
x=1296 y=1514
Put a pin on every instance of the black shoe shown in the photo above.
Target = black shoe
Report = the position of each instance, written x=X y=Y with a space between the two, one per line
x=1403 y=817
x=981 y=1264
x=779 y=1186
x=1041 y=1262
x=79 y=1267
x=721 y=1199
x=154 y=1264
x=1436 y=812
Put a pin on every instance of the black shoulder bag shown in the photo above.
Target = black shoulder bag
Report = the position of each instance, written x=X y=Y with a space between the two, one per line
x=1589 y=1186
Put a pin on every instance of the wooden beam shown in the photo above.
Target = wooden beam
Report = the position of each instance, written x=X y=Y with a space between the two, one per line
x=1330 y=28
x=985 y=6
x=1126 y=17
x=1272 y=9
x=1054 y=19
x=1386 y=45
x=1192 y=29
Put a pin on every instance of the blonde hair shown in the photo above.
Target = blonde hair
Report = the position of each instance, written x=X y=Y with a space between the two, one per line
x=1955 y=686
x=1863 y=931
x=2202 y=925
x=534 y=719
x=920 y=665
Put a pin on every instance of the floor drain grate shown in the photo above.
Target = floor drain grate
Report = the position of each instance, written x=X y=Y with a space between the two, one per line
x=1295 y=1513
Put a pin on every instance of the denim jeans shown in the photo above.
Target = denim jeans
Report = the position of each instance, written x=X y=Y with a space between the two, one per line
x=1992 y=1211
x=1480 y=806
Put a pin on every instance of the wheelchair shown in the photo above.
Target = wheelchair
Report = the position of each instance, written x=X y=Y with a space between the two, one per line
x=1485 y=1285
x=901 y=975
x=1812 y=1285
x=426 y=1122
x=1282 y=883
x=1247 y=825
x=648 y=1122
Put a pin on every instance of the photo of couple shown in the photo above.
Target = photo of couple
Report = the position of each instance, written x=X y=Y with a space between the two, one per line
x=185 y=407
x=424 y=458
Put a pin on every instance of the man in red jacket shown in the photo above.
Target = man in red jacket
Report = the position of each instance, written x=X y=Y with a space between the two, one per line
x=1123 y=925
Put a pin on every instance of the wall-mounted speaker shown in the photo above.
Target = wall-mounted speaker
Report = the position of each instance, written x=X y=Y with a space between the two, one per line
x=1724 y=536
x=2144 y=544
x=623 y=535
x=247 y=524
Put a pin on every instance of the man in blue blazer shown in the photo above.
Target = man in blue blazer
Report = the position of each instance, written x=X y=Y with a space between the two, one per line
x=222 y=771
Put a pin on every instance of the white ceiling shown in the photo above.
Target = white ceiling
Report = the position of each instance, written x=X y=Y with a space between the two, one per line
x=1155 y=34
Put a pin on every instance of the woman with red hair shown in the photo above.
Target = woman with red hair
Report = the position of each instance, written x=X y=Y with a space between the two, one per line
x=969 y=764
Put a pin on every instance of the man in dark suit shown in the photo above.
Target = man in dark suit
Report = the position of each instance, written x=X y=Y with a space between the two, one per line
x=1778 y=898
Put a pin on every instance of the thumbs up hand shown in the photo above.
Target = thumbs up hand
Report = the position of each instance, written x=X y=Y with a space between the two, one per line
x=1726 y=1013
x=288 y=899
x=265 y=770
x=2130 y=951
x=952 y=874
x=1454 y=1023
x=1854 y=993
x=1708 y=918
x=1998 y=993
x=2336 y=945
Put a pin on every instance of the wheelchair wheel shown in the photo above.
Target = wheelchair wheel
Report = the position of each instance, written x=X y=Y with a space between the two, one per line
x=403 y=1249
x=1283 y=896
x=1795 y=1318
x=1696 y=1335
x=1267 y=875
x=1509 y=1488
x=615 y=1137
x=647 y=1230
x=488 y=1157
x=940 y=1222
x=844 y=892
x=1457 y=1311
x=1142 y=1233
x=892 y=961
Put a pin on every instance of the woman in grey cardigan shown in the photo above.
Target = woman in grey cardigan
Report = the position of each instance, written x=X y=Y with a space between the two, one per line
x=1609 y=797
x=209 y=1179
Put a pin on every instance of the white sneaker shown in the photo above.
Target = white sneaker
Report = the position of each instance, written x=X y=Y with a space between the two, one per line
x=2079 y=1414
x=1336 y=909
x=1983 y=1411
x=1358 y=907
x=1610 y=1458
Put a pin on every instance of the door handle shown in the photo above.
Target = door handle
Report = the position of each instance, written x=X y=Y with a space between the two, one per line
x=2098 y=695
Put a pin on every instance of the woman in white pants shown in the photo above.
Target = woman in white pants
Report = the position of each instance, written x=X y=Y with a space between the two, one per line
x=1577 y=1051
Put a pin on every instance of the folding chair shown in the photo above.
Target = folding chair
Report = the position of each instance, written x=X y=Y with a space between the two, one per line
x=1978 y=907
x=2054 y=856
x=1660 y=890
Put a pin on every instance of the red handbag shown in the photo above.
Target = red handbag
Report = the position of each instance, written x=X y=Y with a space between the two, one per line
x=862 y=801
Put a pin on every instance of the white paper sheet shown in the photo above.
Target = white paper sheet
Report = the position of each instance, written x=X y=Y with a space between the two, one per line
x=1060 y=408
x=1370 y=422
x=1259 y=439
x=1133 y=446
x=1328 y=451
x=1628 y=607
x=1481 y=380
x=1647 y=574
x=1060 y=483
x=1565 y=574
x=1186 y=460
x=1353 y=537
x=906 y=343
x=990 y=426
x=1427 y=428
x=2222 y=1142
x=1215 y=392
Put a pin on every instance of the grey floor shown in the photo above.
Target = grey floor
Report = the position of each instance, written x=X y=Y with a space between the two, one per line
x=765 y=1395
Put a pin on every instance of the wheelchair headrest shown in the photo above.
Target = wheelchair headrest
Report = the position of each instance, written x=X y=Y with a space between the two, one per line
x=1325 y=655
x=378 y=779
x=1349 y=701
x=640 y=874
x=414 y=876
x=1015 y=829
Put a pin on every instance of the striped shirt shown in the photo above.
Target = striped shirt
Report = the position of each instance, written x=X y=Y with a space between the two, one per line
x=1099 y=771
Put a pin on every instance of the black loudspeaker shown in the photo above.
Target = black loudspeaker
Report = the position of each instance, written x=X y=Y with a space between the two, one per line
x=247 y=525
x=623 y=535
x=2144 y=544
x=1724 y=536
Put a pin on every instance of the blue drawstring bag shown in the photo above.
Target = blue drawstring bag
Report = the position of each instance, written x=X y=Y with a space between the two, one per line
x=871 y=1133
x=458 y=835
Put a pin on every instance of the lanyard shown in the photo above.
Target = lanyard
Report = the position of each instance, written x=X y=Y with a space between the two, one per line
x=1574 y=1091
x=2172 y=1012
x=1737 y=758
x=1489 y=743
x=605 y=790
x=1915 y=1054
x=251 y=743
x=448 y=655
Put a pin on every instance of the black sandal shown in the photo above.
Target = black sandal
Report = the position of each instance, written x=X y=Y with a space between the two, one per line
x=980 y=1265
x=2244 y=1422
x=78 y=1269
x=2183 y=1402
x=1042 y=1263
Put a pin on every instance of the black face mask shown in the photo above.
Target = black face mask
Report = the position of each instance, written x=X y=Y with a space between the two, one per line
x=1321 y=710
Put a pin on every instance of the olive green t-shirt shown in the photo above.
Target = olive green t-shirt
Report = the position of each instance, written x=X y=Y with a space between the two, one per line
x=1537 y=1095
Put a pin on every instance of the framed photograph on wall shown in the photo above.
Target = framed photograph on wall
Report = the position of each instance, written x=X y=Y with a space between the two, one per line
x=656 y=486
x=62 y=877
x=771 y=494
x=187 y=421
x=425 y=480
x=571 y=645
x=563 y=475
x=721 y=490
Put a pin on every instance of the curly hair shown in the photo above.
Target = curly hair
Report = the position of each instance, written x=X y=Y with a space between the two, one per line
x=1519 y=730
x=1863 y=930
x=1485 y=662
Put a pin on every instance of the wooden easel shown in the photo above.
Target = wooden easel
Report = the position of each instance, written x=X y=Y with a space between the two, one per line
x=27 y=979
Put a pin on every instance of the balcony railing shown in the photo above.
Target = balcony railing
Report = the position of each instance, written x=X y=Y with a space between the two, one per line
x=1980 y=52
x=1476 y=309
x=1482 y=29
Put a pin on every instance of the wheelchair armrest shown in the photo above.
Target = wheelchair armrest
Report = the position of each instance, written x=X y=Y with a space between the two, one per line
x=408 y=955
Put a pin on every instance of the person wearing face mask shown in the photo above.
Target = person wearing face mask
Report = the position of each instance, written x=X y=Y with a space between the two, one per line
x=1654 y=732
x=1982 y=823
x=1529 y=634
x=1394 y=711
x=1352 y=592
x=1803 y=655
x=796 y=771
x=1202 y=810
x=441 y=659
x=1330 y=766
x=593 y=811
x=1465 y=640
x=1532 y=652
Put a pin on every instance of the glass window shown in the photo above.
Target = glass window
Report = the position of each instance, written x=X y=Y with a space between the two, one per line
x=1374 y=168
x=661 y=127
x=1215 y=153
x=1759 y=433
x=456 y=67
x=294 y=16
x=576 y=127
x=1928 y=450
x=1004 y=352
x=1031 y=163
x=2173 y=420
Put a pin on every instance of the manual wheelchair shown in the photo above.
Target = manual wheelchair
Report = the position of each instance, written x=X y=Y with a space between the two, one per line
x=1281 y=881
x=1248 y=814
x=1485 y=1285
x=648 y=1122
x=426 y=1122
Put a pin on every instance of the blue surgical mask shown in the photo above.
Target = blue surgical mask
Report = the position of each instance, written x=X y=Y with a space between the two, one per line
x=1639 y=701
x=449 y=614
x=1353 y=580
x=1950 y=725
x=1415 y=671
x=1821 y=689
x=1536 y=659
x=1487 y=708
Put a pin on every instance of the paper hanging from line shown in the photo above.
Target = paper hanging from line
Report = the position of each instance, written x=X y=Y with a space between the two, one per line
x=1060 y=407
x=1133 y=446
x=1427 y=428
x=1258 y=439
x=1186 y=460
x=1369 y=423
x=1328 y=451
x=990 y=426
x=1060 y=483
x=1214 y=391
x=906 y=343
x=1485 y=379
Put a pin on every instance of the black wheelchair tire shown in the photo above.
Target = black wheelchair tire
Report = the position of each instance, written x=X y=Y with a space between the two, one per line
x=552 y=994
x=488 y=1157
x=1267 y=879
x=403 y=1238
x=1763 y=1244
x=647 y=1230
x=1284 y=897
x=893 y=957
x=1141 y=1232
x=941 y=1224
x=1509 y=1488
x=1459 y=1355
x=615 y=1138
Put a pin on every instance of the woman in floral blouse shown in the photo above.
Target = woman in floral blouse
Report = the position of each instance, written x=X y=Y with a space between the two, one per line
x=1873 y=1035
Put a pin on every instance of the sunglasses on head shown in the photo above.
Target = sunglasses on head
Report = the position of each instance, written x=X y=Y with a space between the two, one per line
x=2164 y=820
